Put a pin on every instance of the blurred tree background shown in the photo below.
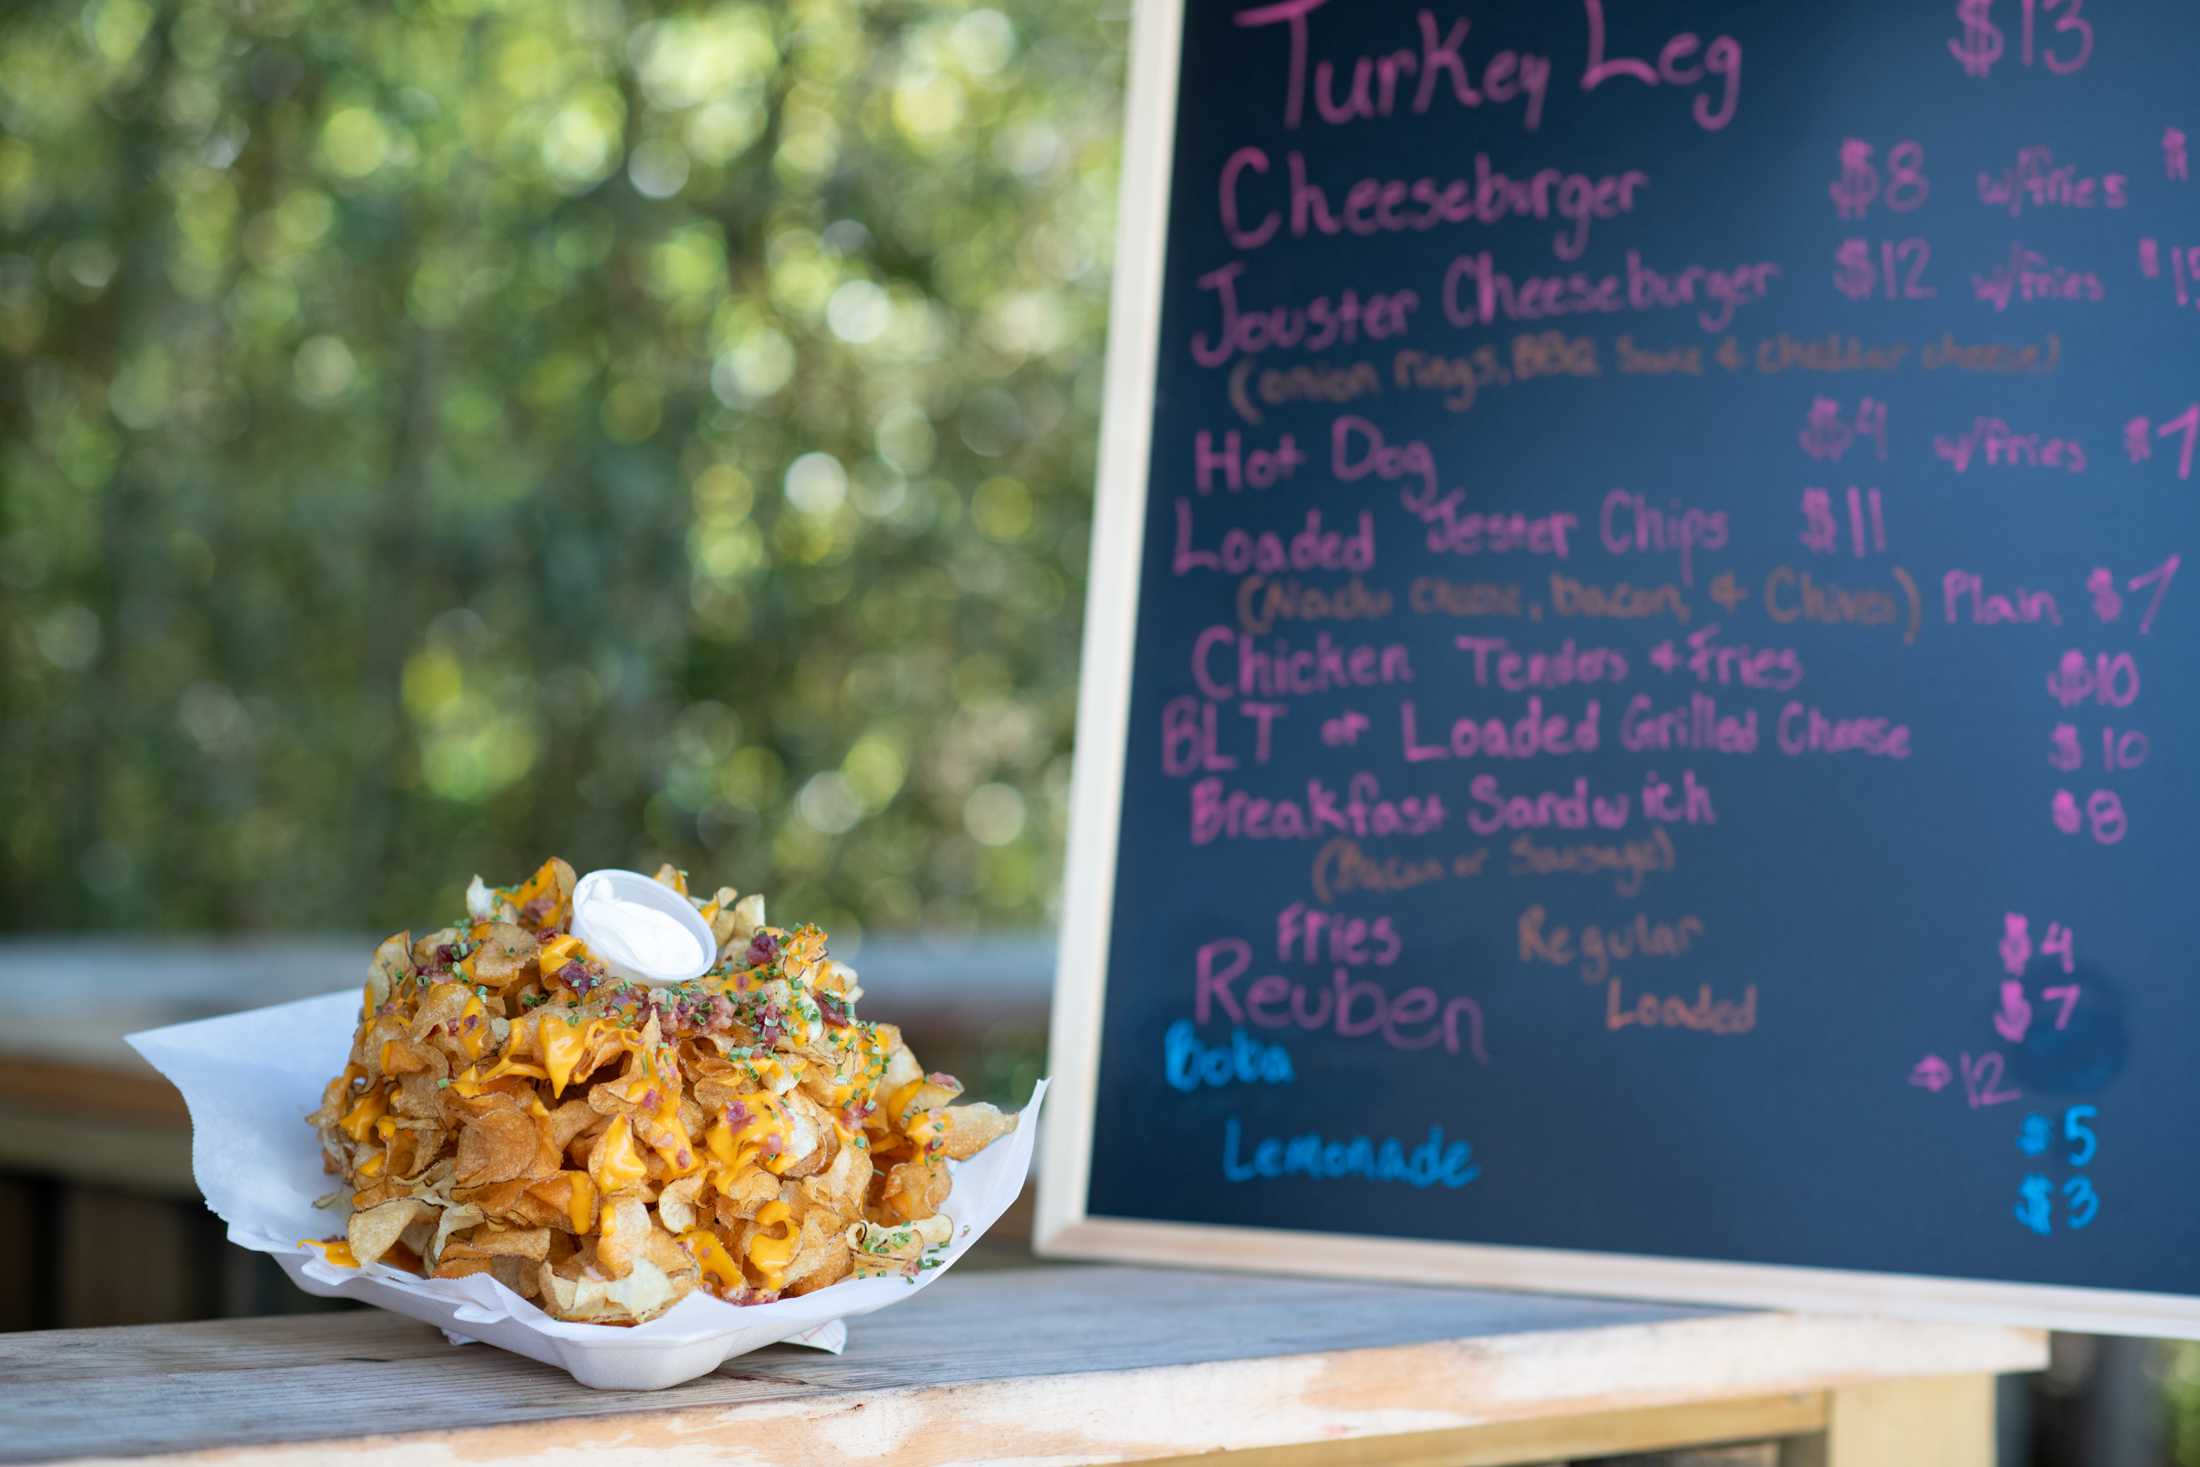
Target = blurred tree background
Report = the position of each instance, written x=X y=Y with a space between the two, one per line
x=440 y=433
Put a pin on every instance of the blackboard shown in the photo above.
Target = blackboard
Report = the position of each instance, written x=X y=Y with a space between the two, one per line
x=1637 y=661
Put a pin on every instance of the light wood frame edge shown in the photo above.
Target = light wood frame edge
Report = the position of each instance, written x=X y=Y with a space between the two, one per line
x=1111 y=614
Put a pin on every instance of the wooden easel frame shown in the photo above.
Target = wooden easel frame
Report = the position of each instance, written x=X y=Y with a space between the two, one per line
x=1064 y=1227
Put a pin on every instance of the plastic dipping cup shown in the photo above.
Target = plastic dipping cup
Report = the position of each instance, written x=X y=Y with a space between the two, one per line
x=643 y=931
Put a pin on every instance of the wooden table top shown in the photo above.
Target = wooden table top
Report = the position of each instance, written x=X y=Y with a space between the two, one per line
x=1072 y=1363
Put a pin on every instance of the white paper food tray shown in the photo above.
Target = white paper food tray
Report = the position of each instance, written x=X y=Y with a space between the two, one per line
x=251 y=1078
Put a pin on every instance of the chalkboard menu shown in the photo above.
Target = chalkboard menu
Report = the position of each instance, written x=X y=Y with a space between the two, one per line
x=1639 y=655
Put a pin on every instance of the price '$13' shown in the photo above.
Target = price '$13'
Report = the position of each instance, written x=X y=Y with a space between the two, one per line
x=2065 y=48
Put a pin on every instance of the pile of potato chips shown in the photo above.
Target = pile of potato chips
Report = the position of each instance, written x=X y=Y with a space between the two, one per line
x=604 y=1148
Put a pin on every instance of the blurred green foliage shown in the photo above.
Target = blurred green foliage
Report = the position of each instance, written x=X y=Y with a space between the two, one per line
x=439 y=433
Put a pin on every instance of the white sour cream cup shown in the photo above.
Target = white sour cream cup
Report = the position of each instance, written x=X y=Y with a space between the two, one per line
x=642 y=931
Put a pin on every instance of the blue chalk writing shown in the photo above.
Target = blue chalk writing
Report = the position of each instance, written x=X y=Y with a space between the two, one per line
x=2080 y=1202
x=2033 y=1135
x=1243 y=1061
x=1310 y=1154
x=2033 y=1210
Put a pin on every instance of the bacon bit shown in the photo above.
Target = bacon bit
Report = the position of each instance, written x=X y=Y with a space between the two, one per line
x=687 y=1158
x=941 y=1077
x=834 y=1008
x=773 y=1144
x=536 y=910
x=762 y=949
x=649 y=1098
x=737 y=1114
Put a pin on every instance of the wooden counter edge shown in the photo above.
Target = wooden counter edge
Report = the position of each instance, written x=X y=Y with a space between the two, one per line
x=1147 y=1413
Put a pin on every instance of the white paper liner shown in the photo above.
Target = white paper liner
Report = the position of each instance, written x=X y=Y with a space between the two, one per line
x=251 y=1078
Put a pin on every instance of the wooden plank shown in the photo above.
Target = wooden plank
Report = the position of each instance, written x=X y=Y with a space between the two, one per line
x=124 y=1257
x=1947 y=1421
x=1076 y=1364
x=77 y=1085
x=1556 y=1439
x=27 y=1231
x=98 y=1148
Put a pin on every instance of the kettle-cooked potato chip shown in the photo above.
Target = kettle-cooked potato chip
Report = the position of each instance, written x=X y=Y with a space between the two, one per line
x=373 y=1231
x=497 y=1147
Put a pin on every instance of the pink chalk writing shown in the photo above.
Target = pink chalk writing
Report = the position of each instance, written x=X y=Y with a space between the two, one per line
x=1256 y=210
x=1453 y=529
x=2140 y=436
x=1376 y=83
x=1349 y=1007
x=1313 y=325
x=2108 y=604
x=1857 y=186
x=1358 y=450
x=1803 y=728
x=2110 y=679
x=1191 y=734
x=1344 y=730
x=1829 y=429
x=1890 y=269
x=2027 y=277
x=1536 y=732
x=2102 y=815
x=1700 y=723
x=1359 y=809
x=1498 y=663
x=1227 y=664
x=1308 y=935
x=1992 y=443
x=2037 y=181
x=1572 y=808
x=1234 y=467
x=2184 y=267
x=1704 y=656
x=2122 y=749
x=1965 y=599
x=1477 y=293
x=2065 y=48
x=1676 y=67
x=1865 y=523
x=1629 y=524
x=1313 y=546
x=2016 y=945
